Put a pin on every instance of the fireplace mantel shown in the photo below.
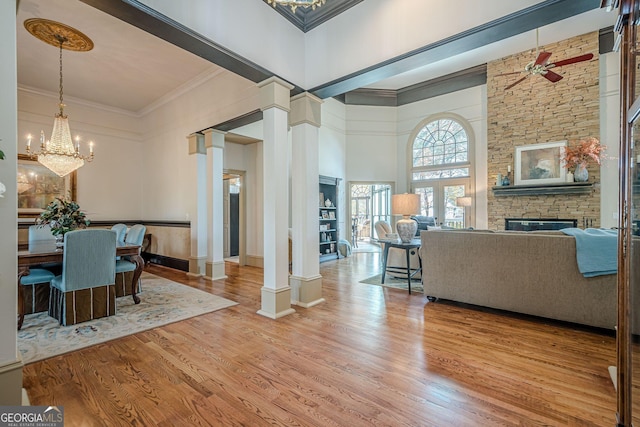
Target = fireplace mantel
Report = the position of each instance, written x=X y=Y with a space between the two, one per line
x=536 y=190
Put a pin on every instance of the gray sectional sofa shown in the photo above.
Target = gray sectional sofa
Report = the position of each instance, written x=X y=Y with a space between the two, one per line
x=534 y=273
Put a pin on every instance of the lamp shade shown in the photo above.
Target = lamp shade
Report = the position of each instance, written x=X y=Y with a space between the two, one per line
x=463 y=201
x=405 y=204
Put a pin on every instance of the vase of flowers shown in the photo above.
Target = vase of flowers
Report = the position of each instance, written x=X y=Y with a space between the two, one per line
x=63 y=216
x=579 y=154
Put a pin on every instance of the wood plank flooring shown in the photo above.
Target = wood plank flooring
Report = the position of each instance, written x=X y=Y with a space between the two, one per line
x=368 y=356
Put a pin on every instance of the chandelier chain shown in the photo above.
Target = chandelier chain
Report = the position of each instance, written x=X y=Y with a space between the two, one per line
x=61 y=101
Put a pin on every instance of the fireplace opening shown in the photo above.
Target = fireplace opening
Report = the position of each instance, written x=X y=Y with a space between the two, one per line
x=532 y=224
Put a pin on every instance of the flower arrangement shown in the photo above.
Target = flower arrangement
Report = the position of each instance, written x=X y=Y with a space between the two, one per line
x=582 y=152
x=63 y=216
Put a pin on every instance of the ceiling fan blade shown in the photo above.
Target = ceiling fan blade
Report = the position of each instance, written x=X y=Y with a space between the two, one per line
x=516 y=82
x=551 y=76
x=542 y=58
x=573 y=60
x=509 y=74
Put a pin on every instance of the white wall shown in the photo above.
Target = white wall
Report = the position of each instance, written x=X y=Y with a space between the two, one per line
x=168 y=180
x=110 y=187
x=332 y=147
x=371 y=143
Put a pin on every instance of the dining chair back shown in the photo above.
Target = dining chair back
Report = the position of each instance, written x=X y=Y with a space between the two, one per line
x=121 y=231
x=36 y=284
x=125 y=267
x=135 y=236
x=41 y=233
x=86 y=288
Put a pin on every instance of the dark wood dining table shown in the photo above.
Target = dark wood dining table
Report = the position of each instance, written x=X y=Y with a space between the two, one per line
x=46 y=252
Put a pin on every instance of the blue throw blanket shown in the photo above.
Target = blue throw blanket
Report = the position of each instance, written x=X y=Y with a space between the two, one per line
x=596 y=250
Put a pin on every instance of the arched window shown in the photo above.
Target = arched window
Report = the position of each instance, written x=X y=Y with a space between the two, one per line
x=441 y=169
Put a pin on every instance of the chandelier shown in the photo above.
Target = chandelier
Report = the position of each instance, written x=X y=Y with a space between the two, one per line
x=293 y=4
x=59 y=153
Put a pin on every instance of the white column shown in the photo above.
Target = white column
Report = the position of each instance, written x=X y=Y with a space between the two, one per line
x=214 y=144
x=198 y=256
x=305 y=281
x=276 y=293
x=10 y=361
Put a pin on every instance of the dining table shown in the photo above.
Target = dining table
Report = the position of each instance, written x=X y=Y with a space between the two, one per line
x=37 y=253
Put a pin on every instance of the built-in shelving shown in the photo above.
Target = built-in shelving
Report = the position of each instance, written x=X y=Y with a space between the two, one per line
x=549 y=189
x=328 y=218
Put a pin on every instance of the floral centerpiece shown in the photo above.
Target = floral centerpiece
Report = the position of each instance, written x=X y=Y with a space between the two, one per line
x=579 y=154
x=63 y=216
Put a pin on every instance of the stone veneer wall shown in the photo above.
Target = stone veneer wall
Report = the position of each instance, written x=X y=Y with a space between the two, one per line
x=537 y=111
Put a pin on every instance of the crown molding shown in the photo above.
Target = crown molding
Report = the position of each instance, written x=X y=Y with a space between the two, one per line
x=198 y=80
x=306 y=19
x=78 y=101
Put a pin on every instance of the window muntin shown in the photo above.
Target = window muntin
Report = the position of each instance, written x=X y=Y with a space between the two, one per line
x=440 y=142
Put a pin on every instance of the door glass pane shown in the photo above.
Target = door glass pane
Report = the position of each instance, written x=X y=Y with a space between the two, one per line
x=427 y=202
x=634 y=270
x=453 y=214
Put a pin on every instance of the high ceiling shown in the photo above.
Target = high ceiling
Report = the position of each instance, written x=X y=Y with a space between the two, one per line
x=132 y=70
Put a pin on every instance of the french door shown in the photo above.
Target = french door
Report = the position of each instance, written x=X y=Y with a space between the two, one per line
x=440 y=199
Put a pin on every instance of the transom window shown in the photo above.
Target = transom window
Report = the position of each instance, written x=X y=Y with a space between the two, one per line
x=439 y=150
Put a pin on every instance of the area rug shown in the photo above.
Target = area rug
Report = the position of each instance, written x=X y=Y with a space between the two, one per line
x=393 y=282
x=162 y=302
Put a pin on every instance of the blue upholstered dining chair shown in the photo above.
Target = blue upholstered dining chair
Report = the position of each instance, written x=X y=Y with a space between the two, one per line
x=135 y=236
x=121 y=232
x=38 y=279
x=86 y=288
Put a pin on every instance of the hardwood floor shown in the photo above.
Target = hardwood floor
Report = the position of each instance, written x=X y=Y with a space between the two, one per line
x=368 y=356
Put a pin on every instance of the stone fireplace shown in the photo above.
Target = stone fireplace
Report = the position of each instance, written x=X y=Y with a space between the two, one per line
x=538 y=111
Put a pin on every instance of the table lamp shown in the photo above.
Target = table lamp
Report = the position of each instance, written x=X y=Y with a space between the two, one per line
x=463 y=202
x=406 y=205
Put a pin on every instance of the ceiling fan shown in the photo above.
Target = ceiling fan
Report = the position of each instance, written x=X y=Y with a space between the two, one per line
x=541 y=67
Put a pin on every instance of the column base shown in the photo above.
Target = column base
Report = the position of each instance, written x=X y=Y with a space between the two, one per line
x=215 y=270
x=276 y=303
x=306 y=291
x=196 y=266
x=11 y=380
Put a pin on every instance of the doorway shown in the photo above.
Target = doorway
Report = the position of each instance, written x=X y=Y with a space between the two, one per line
x=440 y=199
x=233 y=217
x=368 y=203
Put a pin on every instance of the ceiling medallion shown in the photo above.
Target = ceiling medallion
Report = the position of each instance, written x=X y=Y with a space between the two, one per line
x=293 y=4
x=51 y=32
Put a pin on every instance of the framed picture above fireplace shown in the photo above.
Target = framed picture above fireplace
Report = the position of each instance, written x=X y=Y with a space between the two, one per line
x=540 y=164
